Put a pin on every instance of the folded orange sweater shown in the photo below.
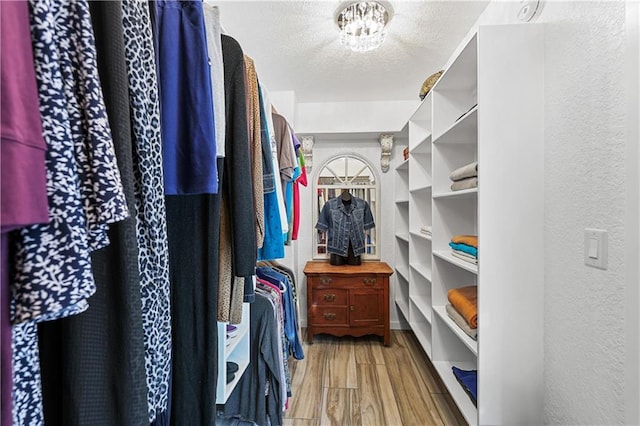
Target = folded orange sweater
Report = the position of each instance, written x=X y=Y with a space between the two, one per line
x=470 y=240
x=465 y=300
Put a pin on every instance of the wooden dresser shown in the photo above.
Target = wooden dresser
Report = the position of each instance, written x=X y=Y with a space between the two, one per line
x=348 y=300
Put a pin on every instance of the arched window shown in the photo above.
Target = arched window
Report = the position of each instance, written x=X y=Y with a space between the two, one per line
x=353 y=173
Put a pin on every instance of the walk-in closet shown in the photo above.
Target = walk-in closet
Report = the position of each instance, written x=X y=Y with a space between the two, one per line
x=305 y=213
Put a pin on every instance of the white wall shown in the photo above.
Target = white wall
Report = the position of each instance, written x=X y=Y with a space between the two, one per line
x=353 y=117
x=632 y=254
x=584 y=343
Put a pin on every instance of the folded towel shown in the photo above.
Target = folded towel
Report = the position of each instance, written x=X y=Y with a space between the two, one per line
x=470 y=240
x=460 y=322
x=467 y=183
x=465 y=300
x=465 y=248
x=464 y=256
x=467 y=171
x=468 y=379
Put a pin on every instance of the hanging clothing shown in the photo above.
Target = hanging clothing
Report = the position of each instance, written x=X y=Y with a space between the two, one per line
x=193 y=224
x=98 y=357
x=53 y=276
x=248 y=399
x=273 y=246
x=302 y=180
x=188 y=128
x=151 y=223
x=277 y=169
x=53 y=269
x=294 y=345
x=214 y=49
x=24 y=191
x=237 y=191
x=255 y=137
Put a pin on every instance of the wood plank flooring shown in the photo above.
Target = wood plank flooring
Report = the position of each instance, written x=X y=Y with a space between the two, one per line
x=359 y=382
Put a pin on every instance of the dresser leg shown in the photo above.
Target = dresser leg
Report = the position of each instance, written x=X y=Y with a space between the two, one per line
x=387 y=337
x=310 y=336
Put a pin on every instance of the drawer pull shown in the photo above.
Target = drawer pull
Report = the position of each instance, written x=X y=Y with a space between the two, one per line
x=329 y=316
x=329 y=297
x=369 y=281
x=325 y=281
x=352 y=308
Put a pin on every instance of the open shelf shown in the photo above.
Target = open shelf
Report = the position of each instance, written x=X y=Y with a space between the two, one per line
x=465 y=130
x=422 y=269
x=448 y=257
x=462 y=400
x=441 y=311
x=403 y=166
x=402 y=236
x=420 y=235
x=457 y=194
x=402 y=272
x=423 y=304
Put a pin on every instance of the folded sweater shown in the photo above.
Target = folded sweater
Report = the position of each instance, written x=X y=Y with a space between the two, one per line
x=465 y=300
x=465 y=248
x=461 y=322
x=466 y=171
x=470 y=240
x=466 y=183
x=468 y=379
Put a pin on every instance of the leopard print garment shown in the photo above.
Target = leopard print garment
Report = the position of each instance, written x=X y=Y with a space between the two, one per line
x=151 y=226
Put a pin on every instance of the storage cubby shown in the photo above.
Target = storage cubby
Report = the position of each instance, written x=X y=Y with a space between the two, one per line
x=236 y=349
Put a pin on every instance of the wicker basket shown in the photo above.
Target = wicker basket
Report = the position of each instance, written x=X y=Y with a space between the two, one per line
x=429 y=82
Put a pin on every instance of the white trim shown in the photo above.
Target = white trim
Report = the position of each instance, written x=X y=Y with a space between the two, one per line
x=632 y=228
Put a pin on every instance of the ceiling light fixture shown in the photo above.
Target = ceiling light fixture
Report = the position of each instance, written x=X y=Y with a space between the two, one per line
x=362 y=25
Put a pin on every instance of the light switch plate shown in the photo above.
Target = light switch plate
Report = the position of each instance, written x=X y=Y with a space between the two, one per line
x=595 y=248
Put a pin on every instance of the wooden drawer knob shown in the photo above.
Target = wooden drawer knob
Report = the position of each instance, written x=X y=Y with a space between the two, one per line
x=329 y=297
x=329 y=316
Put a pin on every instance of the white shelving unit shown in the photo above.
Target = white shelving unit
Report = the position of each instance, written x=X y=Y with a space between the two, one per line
x=401 y=191
x=420 y=192
x=487 y=107
x=236 y=349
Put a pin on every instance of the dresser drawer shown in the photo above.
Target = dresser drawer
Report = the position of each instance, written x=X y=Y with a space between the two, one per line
x=330 y=296
x=367 y=281
x=329 y=315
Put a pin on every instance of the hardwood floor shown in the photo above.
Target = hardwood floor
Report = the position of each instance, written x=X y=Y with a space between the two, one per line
x=359 y=382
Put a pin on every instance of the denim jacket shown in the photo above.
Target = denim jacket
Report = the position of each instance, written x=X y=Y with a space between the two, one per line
x=345 y=224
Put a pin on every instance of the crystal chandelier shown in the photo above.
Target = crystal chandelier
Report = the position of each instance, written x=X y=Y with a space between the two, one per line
x=362 y=25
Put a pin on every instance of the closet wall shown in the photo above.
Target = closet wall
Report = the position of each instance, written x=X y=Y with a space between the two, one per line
x=584 y=318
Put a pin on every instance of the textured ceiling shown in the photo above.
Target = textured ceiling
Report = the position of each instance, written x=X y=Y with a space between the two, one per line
x=295 y=47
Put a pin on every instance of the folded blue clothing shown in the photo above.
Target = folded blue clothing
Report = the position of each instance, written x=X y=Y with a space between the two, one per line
x=468 y=379
x=465 y=248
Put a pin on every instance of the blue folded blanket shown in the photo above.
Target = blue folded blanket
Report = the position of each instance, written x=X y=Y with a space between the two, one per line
x=465 y=248
x=468 y=379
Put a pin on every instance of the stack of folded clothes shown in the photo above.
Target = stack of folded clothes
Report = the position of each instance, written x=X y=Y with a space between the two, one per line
x=465 y=177
x=465 y=247
x=426 y=230
x=463 y=309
